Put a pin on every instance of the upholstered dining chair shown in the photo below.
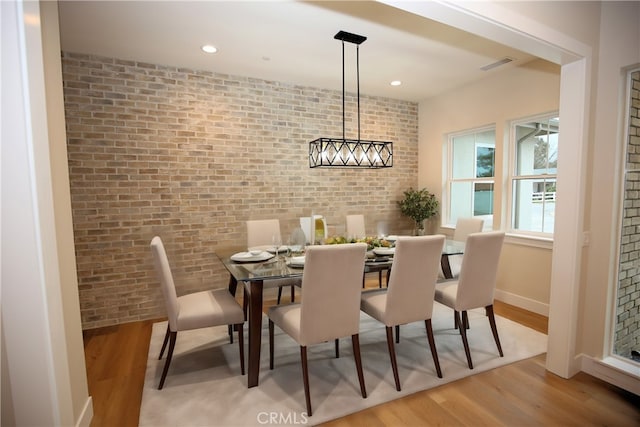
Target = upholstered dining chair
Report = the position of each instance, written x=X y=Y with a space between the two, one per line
x=409 y=295
x=193 y=311
x=464 y=227
x=355 y=227
x=261 y=232
x=475 y=285
x=330 y=307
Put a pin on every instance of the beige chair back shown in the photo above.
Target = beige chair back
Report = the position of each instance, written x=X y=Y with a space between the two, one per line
x=163 y=271
x=413 y=279
x=260 y=232
x=477 y=280
x=466 y=226
x=331 y=286
x=355 y=227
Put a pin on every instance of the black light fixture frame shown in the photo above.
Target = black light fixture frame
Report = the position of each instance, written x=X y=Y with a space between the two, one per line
x=335 y=152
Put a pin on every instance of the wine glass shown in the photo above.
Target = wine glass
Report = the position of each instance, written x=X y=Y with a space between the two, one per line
x=276 y=240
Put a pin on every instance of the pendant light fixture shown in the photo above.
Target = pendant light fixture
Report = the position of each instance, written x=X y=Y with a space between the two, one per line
x=343 y=152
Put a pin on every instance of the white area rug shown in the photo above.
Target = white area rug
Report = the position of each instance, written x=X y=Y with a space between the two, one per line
x=204 y=386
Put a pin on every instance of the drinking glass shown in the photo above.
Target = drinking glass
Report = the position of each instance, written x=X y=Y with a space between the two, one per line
x=276 y=240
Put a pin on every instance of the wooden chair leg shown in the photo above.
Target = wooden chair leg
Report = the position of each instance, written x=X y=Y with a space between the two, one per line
x=240 y=328
x=305 y=378
x=463 y=333
x=164 y=343
x=271 y=327
x=397 y=334
x=230 y=328
x=293 y=293
x=494 y=329
x=392 y=356
x=337 y=348
x=455 y=319
x=465 y=319
x=172 y=344
x=432 y=345
x=355 y=342
x=279 y=294
x=380 y=279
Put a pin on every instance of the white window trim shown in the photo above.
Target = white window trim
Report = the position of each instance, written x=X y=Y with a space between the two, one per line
x=523 y=237
x=447 y=169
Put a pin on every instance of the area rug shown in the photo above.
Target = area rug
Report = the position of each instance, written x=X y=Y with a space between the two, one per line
x=204 y=386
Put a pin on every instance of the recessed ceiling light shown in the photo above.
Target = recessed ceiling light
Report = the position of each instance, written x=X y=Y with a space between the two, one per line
x=209 y=48
x=396 y=83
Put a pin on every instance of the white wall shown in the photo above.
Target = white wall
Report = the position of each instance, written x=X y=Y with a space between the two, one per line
x=619 y=49
x=43 y=379
x=500 y=98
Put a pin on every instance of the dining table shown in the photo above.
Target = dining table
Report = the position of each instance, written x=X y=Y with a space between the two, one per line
x=252 y=271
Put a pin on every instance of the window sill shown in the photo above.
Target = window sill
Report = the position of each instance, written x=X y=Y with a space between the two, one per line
x=530 y=241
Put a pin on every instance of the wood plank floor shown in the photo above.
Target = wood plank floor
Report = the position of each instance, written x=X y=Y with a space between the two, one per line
x=519 y=394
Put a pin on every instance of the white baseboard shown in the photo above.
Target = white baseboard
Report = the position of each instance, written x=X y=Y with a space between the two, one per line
x=84 y=420
x=522 y=302
x=625 y=375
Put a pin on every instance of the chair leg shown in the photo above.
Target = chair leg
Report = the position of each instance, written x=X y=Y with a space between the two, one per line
x=172 y=344
x=230 y=328
x=305 y=378
x=164 y=343
x=355 y=342
x=397 y=334
x=392 y=356
x=494 y=329
x=465 y=319
x=337 y=348
x=432 y=345
x=240 y=328
x=380 y=279
x=270 y=344
x=293 y=293
x=463 y=333
x=279 y=294
x=455 y=319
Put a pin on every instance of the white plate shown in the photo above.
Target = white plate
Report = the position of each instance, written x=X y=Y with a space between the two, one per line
x=384 y=251
x=270 y=248
x=390 y=238
x=247 y=257
x=296 y=262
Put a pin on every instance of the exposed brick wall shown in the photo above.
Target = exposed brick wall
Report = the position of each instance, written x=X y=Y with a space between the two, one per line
x=191 y=155
x=628 y=306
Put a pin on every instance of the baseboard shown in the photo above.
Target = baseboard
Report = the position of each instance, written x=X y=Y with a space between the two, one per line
x=522 y=302
x=625 y=375
x=84 y=420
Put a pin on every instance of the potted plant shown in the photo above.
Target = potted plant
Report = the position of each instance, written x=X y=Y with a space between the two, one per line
x=418 y=205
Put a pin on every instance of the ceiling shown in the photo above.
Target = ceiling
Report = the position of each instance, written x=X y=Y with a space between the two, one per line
x=288 y=41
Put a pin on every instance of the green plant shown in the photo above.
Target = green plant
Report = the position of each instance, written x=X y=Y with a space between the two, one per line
x=418 y=205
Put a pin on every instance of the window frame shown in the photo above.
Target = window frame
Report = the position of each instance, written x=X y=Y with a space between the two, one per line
x=449 y=180
x=512 y=177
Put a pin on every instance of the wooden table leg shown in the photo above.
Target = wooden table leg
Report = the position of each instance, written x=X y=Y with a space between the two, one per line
x=446 y=268
x=255 y=331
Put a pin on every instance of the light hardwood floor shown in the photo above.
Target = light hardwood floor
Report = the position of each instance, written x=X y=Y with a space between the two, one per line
x=520 y=394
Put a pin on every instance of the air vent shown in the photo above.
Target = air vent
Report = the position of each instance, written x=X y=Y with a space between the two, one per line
x=503 y=61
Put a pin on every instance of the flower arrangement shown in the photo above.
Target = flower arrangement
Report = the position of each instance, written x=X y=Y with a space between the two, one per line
x=418 y=205
x=372 y=242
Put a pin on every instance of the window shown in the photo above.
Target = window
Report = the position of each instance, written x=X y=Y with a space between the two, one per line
x=470 y=175
x=534 y=143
